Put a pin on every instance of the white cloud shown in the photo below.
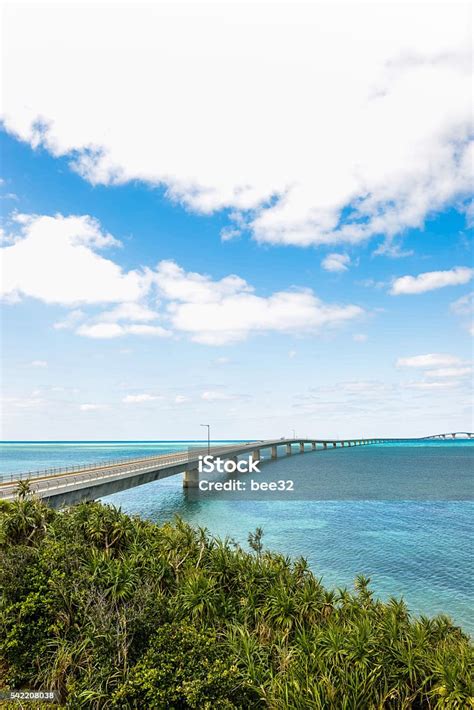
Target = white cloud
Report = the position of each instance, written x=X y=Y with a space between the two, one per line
x=215 y=396
x=177 y=285
x=38 y=363
x=128 y=312
x=464 y=306
x=140 y=398
x=101 y=330
x=428 y=360
x=181 y=399
x=431 y=280
x=114 y=330
x=70 y=321
x=229 y=233
x=336 y=262
x=91 y=407
x=55 y=260
x=222 y=361
x=359 y=338
x=292 y=354
x=371 y=283
x=328 y=127
x=226 y=311
x=450 y=372
x=31 y=402
x=451 y=384
x=363 y=388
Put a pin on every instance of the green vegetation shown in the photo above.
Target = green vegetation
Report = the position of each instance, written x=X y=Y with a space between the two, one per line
x=117 y=612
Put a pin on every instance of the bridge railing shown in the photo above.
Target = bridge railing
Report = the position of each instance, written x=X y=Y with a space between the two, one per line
x=167 y=458
x=102 y=473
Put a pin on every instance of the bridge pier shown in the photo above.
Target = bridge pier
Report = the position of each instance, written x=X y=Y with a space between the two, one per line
x=325 y=444
x=288 y=449
x=334 y=444
x=274 y=452
x=256 y=455
x=191 y=478
x=313 y=446
x=301 y=447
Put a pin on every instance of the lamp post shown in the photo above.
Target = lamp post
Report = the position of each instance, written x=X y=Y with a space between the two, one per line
x=208 y=437
x=294 y=433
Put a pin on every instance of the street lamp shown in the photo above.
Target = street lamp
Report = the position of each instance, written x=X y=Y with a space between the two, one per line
x=294 y=433
x=208 y=437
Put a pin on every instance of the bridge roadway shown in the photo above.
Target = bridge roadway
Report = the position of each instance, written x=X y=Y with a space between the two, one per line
x=62 y=487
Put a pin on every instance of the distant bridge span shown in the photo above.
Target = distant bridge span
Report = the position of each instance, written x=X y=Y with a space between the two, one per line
x=65 y=486
x=451 y=435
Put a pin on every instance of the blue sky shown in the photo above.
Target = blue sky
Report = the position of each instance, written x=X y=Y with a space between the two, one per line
x=155 y=280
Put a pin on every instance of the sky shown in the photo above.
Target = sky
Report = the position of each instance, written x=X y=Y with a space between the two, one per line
x=252 y=215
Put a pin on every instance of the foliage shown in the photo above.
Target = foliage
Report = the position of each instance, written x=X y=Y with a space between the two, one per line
x=184 y=667
x=116 y=612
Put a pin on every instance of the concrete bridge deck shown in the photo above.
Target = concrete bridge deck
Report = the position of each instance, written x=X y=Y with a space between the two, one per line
x=63 y=487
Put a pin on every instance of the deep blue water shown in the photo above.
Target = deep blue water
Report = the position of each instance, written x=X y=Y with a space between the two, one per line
x=401 y=514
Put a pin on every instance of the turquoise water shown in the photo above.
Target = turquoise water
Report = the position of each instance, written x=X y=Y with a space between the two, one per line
x=401 y=514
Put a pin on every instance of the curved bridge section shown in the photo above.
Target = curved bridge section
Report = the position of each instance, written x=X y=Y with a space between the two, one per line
x=62 y=487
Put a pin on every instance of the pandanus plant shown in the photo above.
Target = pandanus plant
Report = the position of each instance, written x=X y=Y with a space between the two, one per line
x=104 y=602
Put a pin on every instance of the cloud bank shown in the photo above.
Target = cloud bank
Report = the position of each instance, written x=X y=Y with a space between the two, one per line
x=311 y=122
x=56 y=260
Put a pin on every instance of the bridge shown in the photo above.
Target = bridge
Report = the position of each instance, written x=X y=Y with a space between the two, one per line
x=61 y=487
x=452 y=435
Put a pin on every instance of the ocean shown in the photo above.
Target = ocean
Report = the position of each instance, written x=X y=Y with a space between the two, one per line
x=399 y=513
